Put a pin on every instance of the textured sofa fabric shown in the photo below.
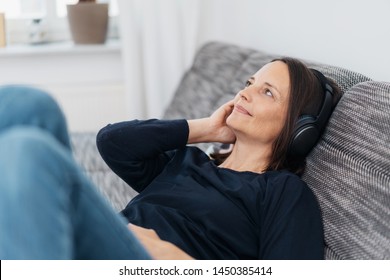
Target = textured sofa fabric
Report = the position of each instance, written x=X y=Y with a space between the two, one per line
x=348 y=170
x=86 y=154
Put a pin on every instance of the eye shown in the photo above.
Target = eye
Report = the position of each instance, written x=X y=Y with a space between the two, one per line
x=268 y=93
x=248 y=83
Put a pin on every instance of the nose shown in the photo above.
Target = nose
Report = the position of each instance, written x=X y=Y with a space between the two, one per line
x=244 y=94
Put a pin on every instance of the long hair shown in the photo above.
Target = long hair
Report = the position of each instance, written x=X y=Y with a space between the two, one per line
x=306 y=96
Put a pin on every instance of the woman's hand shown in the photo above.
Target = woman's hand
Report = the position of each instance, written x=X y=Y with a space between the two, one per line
x=157 y=248
x=218 y=123
x=213 y=128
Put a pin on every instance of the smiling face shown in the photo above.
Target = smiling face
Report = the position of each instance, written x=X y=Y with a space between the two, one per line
x=260 y=108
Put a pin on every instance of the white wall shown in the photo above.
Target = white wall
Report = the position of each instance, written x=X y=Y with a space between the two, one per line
x=353 y=34
x=160 y=38
x=87 y=81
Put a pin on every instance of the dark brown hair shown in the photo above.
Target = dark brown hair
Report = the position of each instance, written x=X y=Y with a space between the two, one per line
x=306 y=96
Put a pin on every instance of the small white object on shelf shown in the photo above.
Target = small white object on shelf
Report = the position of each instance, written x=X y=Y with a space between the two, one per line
x=37 y=31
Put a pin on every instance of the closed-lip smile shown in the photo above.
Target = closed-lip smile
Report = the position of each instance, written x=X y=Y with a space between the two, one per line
x=241 y=110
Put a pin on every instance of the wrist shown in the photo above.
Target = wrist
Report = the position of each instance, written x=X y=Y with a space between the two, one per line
x=200 y=131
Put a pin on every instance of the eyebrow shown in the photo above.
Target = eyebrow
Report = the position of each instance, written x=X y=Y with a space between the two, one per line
x=268 y=84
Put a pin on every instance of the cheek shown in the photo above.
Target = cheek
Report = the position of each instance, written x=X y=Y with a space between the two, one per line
x=269 y=123
x=278 y=124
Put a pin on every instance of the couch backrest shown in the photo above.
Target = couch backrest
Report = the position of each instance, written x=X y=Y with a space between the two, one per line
x=220 y=70
x=349 y=171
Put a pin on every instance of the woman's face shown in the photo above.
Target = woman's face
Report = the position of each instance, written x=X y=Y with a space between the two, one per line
x=260 y=108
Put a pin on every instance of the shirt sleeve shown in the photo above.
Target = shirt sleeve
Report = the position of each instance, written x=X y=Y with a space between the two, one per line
x=291 y=222
x=137 y=151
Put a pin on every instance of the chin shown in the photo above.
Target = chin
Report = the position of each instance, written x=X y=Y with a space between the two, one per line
x=233 y=123
x=229 y=120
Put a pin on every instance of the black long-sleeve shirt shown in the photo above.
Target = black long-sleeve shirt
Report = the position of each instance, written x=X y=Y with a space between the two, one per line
x=208 y=211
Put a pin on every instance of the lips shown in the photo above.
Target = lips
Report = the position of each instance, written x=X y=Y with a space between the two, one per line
x=241 y=110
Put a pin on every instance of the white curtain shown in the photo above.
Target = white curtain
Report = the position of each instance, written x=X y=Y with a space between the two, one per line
x=158 y=43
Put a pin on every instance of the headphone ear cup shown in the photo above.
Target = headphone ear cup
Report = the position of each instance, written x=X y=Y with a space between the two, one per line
x=304 y=137
x=308 y=128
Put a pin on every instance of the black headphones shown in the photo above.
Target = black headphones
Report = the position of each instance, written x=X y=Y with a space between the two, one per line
x=308 y=128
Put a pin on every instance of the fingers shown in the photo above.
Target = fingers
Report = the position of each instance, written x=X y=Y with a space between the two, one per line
x=229 y=104
x=141 y=232
x=228 y=107
x=158 y=249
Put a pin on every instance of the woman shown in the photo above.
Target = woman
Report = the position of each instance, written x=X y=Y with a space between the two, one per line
x=250 y=206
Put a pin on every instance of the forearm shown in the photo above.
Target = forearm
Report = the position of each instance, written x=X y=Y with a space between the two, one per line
x=137 y=151
x=199 y=131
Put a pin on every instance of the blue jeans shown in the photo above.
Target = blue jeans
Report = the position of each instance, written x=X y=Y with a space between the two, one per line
x=48 y=207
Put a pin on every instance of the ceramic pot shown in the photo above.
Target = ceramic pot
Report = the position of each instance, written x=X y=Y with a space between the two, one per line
x=88 y=22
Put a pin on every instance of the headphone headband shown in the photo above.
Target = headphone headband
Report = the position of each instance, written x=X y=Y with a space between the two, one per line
x=326 y=108
x=323 y=80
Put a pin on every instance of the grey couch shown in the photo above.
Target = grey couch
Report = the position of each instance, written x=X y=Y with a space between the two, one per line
x=349 y=170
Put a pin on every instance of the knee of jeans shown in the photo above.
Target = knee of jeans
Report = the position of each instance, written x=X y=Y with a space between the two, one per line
x=32 y=163
x=21 y=145
x=26 y=105
x=30 y=95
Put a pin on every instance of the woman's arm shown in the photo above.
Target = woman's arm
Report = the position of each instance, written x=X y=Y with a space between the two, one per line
x=213 y=128
x=137 y=151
